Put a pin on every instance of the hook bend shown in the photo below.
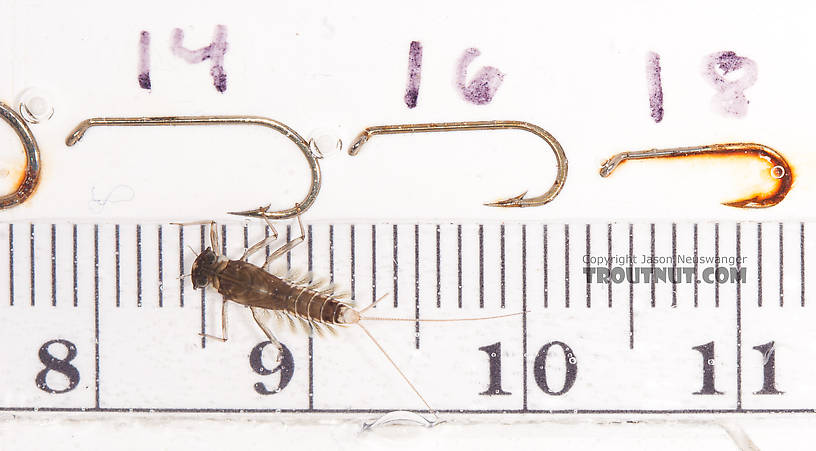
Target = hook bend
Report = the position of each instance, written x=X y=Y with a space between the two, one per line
x=280 y=127
x=31 y=176
x=779 y=168
x=515 y=201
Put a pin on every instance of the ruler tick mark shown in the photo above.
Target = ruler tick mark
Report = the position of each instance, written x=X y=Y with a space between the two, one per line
x=138 y=265
x=588 y=253
x=353 y=263
x=203 y=292
x=416 y=282
x=739 y=320
x=75 y=262
x=781 y=266
x=11 y=263
x=438 y=269
x=631 y=286
x=566 y=267
x=696 y=268
x=309 y=266
x=181 y=265
x=546 y=267
x=759 y=264
x=53 y=265
x=802 y=259
x=481 y=265
x=674 y=264
x=395 y=268
x=502 y=285
x=116 y=258
x=160 y=252
x=373 y=264
x=32 y=260
x=609 y=263
x=652 y=265
x=459 y=260
x=96 y=314
x=524 y=315
x=716 y=264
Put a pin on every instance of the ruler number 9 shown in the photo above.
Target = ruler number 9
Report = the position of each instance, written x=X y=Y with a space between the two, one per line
x=60 y=365
x=286 y=367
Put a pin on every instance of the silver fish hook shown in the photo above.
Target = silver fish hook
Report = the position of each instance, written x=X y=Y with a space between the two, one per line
x=280 y=127
x=516 y=201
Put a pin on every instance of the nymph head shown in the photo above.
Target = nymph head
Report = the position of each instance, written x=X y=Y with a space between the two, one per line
x=204 y=268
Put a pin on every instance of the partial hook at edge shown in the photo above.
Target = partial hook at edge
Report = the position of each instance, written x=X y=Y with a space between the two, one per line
x=780 y=170
x=515 y=201
x=280 y=127
x=31 y=176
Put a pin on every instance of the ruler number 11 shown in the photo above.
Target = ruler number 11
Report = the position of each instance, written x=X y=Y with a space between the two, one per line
x=768 y=351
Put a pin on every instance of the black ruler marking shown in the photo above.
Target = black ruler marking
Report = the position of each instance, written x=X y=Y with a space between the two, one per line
x=802 y=259
x=75 y=263
x=116 y=258
x=502 y=264
x=481 y=265
x=631 y=287
x=374 y=265
x=396 y=264
x=309 y=266
x=459 y=260
x=588 y=253
x=438 y=268
x=203 y=294
x=546 y=268
x=781 y=266
x=566 y=267
x=416 y=283
x=759 y=264
x=696 y=269
x=739 y=320
x=181 y=265
x=160 y=249
x=11 y=264
x=674 y=264
x=353 y=262
x=32 y=256
x=652 y=265
x=96 y=314
x=609 y=263
x=331 y=253
x=716 y=263
x=138 y=265
x=524 y=315
x=53 y=265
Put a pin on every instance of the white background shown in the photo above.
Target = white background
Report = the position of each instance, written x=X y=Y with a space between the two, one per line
x=577 y=70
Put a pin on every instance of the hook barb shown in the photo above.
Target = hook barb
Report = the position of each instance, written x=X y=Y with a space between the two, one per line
x=516 y=201
x=79 y=131
x=779 y=169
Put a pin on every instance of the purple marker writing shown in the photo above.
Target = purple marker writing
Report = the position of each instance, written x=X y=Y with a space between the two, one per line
x=483 y=87
x=414 y=74
x=214 y=52
x=144 y=60
x=730 y=99
x=655 y=86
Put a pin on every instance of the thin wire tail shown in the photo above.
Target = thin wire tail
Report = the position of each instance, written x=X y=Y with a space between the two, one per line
x=430 y=409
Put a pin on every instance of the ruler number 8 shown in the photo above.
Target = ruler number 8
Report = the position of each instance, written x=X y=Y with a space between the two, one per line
x=61 y=366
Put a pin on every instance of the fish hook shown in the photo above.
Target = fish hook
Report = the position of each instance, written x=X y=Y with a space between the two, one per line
x=780 y=170
x=31 y=176
x=280 y=127
x=516 y=201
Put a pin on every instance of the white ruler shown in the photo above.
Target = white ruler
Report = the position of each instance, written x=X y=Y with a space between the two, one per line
x=97 y=320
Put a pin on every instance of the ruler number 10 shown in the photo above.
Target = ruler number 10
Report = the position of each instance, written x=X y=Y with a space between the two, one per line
x=539 y=369
x=768 y=351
